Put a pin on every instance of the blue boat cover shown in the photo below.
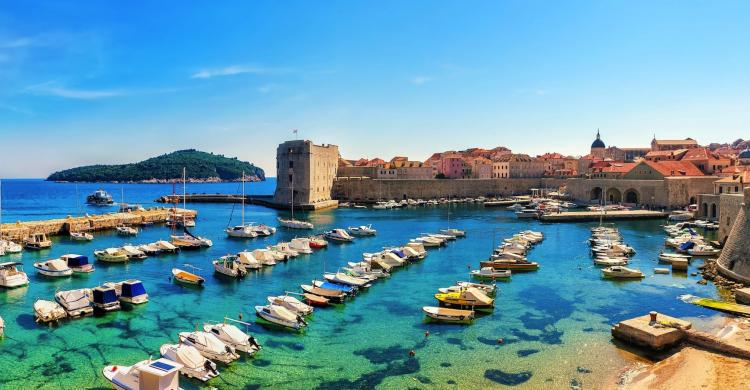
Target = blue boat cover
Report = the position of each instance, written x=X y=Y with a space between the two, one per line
x=78 y=261
x=105 y=296
x=692 y=232
x=398 y=253
x=336 y=286
x=132 y=290
x=686 y=245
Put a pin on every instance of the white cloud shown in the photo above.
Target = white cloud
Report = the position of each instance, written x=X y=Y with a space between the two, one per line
x=53 y=89
x=419 y=80
x=235 y=70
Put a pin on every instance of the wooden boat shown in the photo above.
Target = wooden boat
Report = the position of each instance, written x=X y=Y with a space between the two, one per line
x=315 y=300
x=185 y=277
x=729 y=307
x=443 y=314
x=37 y=241
x=317 y=242
x=331 y=295
x=491 y=273
x=513 y=265
x=467 y=298
x=620 y=272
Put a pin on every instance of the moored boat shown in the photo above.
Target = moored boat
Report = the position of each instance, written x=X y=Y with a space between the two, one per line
x=160 y=374
x=48 y=311
x=111 y=255
x=443 y=314
x=186 y=277
x=126 y=230
x=11 y=276
x=100 y=198
x=317 y=242
x=329 y=294
x=76 y=303
x=229 y=265
x=513 y=265
x=280 y=316
x=78 y=263
x=620 y=272
x=491 y=273
x=209 y=346
x=338 y=235
x=37 y=241
x=362 y=230
x=292 y=304
x=232 y=336
x=468 y=298
x=81 y=236
x=53 y=268
x=194 y=365
x=104 y=298
x=295 y=224
x=130 y=291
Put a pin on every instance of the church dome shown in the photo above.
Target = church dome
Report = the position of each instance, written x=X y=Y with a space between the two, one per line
x=745 y=154
x=598 y=143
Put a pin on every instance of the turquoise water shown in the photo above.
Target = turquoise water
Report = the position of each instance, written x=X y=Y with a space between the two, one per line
x=554 y=322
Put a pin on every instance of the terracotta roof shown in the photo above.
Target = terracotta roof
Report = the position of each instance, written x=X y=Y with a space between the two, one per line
x=619 y=168
x=515 y=157
x=666 y=153
x=699 y=154
x=686 y=141
x=675 y=168
x=551 y=156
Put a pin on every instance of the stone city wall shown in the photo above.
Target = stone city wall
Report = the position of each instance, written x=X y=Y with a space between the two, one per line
x=672 y=192
x=369 y=190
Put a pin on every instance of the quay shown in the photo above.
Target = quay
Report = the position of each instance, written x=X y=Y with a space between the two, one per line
x=97 y=222
x=260 y=200
x=507 y=202
x=587 y=216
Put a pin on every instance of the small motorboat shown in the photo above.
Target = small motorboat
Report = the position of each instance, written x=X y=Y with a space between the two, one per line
x=342 y=278
x=285 y=249
x=468 y=298
x=338 y=235
x=418 y=248
x=668 y=257
x=111 y=255
x=264 y=256
x=316 y=300
x=264 y=230
x=328 y=294
x=194 y=365
x=133 y=253
x=491 y=273
x=300 y=245
x=186 y=277
x=703 y=250
x=229 y=265
x=126 y=230
x=292 y=304
x=81 y=236
x=349 y=290
x=362 y=230
x=37 y=241
x=241 y=231
x=190 y=241
x=11 y=276
x=233 y=336
x=48 y=311
x=166 y=246
x=77 y=303
x=150 y=249
x=53 y=268
x=317 y=242
x=610 y=261
x=247 y=260
x=443 y=314
x=104 y=298
x=513 y=265
x=453 y=232
x=9 y=247
x=100 y=198
x=489 y=289
x=78 y=263
x=209 y=346
x=620 y=272
x=295 y=224
x=160 y=374
x=280 y=315
x=429 y=241
x=130 y=291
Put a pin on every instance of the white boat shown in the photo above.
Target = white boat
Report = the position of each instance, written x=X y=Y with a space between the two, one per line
x=104 y=298
x=37 y=241
x=133 y=253
x=78 y=263
x=194 y=365
x=242 y=230
x=453 y=232
x=11 y=276
x=263 y=230
x=620 y=272
x=150 y=249
x=76 y=303
x=292 y=304
x=339 y=235
x=342 y=278
x=229 y=265
x=284 y=248
x=161 y=374
x=610 y=261
x=527 y=213
x=491 y=273
x=231 y=335
x=7 y=246
x=190 y=241
x=295 y=224
x=489 y=289
x=703 y=250
x=429 y=242
x=264 y=256
x=417 y=247
x=209 y=346
x=111 y=255
x=166 y=246
x=81 y=236
x=280 y=315
x=668 y=257
x=386 y=257
x=130 y=291
x=248 y=260
x=300 y=245
x=126 y=230
x=362 y=230
x=448 y=315
x=48 y=311
x=54 y=268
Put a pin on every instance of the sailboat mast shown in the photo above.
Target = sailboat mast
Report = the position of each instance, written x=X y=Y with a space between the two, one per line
x=1 y=209
x=243 y=198
x=292 y=173
x=184 y=195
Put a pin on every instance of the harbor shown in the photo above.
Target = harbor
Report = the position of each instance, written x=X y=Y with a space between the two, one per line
x=593 y=216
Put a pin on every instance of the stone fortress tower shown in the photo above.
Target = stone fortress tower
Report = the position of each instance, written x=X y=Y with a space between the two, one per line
x=598 y=147
x=309 y=171
x=734 y=261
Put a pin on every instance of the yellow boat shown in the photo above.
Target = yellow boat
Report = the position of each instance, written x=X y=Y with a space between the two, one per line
x=466 y=298
x=186 y=277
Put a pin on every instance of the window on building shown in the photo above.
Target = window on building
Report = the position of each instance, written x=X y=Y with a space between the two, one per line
x=290 y=178
x=291 y=164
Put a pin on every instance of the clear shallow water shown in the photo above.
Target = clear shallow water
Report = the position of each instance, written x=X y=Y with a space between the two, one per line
x=555 y=322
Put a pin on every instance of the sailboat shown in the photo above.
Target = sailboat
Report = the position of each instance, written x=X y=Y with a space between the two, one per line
x=80 y=236
x=187 y=240
x=242 y=230
x=294 y=223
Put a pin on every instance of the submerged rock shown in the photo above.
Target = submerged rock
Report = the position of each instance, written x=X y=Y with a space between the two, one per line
x=507 y=378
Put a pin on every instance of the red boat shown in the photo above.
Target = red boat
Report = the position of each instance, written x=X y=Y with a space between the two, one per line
x=317 y=242
x=315 y=300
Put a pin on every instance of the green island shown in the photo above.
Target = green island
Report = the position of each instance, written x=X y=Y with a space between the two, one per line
x=200 y=166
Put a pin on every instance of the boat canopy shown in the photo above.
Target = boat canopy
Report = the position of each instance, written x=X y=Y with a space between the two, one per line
x=133 y=288
x=9 y=264
x=190 y=356
x=77 y=260
x=686 y=245
x=398 y=253
x=105 y=295
x=74 y=299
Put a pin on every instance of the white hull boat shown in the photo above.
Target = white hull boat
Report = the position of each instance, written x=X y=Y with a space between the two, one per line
x=300 y=245
x=77 y=303
x=111 y=255
x=161 y=374
x=620 y=272
x=54 y=268
x=248 y=260
x=241 y=231
x=81 y=236
x=362 y=230
x=234 y=337
x=48 y=311
x=280 y=315
x=209 y=346
x=194 y=365
x=292 y=304
x=11 y=276
x=295 y=224
x=229 y=266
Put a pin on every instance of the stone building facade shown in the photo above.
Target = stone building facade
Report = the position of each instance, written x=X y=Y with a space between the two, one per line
x=670 y=192
x=307 y=169
x=734 y=261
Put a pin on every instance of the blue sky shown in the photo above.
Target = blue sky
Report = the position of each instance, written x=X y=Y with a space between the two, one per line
x=112 y=82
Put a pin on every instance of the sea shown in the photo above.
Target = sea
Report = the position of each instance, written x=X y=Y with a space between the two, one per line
x=550 y=329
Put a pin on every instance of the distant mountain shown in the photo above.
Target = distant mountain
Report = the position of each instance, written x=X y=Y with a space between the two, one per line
x=200 y=166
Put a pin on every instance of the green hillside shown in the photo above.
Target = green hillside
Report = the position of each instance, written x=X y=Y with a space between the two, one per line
x=199 y=165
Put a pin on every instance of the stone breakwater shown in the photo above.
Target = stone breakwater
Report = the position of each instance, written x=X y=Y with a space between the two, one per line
x=20 y=230
x=710 y=272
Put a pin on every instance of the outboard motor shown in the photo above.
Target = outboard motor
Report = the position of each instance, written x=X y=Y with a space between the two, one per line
x=210 y=367
x=254 y=342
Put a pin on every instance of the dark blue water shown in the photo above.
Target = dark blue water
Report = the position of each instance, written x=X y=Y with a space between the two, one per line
x=552 y=322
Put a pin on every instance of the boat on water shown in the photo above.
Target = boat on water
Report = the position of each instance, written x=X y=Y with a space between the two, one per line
x=11 y=276
x=668 y=257
x=300 y=245
x=229 y=265
x=295 y=224
x=285 y=249
x=37 y=241
x=610 y=261
x=209 y=346
x=232 y=336
x=317 y=242
x=160 y=374
x=7 y=246
x=468 y=298
x=53 y=268
x=281 y=316
x=703 y=250
x=328 y=294
x=264 y=256
x=81 y=236
x=491 y=273
x=104 y=298
x=194 y=365
x=111 y=255
x=248 y=261
x=362 y=230
x=150 y=249
x=513 y=265
x=621 y=272
x=680 y=215
x=527 y=213
x=515 y=207
x=489 y=289
x=100 y=198
x=129 y=291
x=166 y=246
x=48 y=311
x=344 y=279
x=443 y=314
x=338 y=235
x=453 y=232
x=126 y=230
x=2 y=328
x=78 y=263
x=190 y=241
x=263 y=230
x=417 y=247
x=186 y=277
x=133 y=253
x=77 y=303
x=349 y=290
x=292 y=304
x=241 y=231
x=316 y=300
